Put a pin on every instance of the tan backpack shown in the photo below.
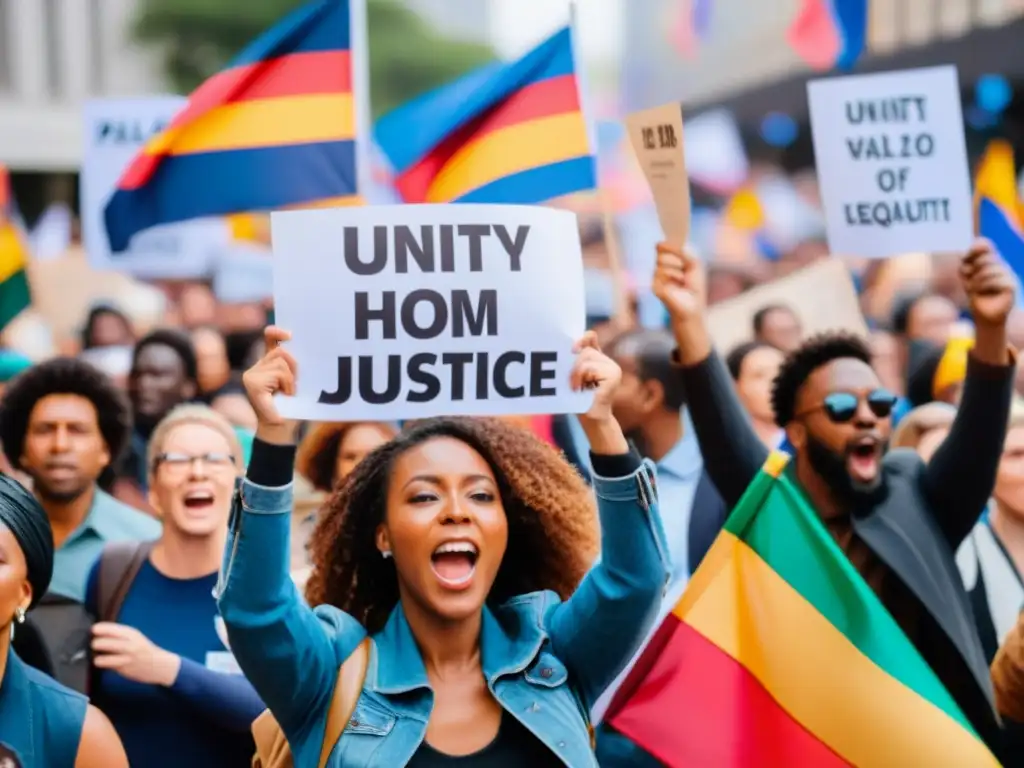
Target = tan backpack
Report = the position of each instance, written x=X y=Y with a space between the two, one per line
x=272 y=750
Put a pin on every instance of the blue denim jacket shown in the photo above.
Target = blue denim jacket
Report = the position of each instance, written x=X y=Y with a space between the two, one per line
x=545 y=661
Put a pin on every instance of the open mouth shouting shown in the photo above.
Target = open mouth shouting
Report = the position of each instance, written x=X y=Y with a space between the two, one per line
x=198 y=502
x=454 y=563
x=864 y=459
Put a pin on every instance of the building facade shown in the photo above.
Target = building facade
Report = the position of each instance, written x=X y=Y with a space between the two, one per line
x=54 y=54
x=747 y=46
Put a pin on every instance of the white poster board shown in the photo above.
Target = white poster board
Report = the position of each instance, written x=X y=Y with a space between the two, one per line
x=115 y=130
x=821 y=294
x=892 y=162
x=404 y=312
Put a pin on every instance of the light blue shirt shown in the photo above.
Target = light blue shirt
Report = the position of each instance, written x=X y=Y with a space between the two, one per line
x=679 y=473
x=108 y=520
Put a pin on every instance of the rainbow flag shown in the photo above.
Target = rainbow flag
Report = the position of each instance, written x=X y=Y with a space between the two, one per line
x=779 y=653
x=998 y=203
x=505 y=133
x=275 y=129
x=15 y=295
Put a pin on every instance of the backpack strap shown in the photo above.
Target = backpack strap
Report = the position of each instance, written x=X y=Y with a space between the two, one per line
x=120 y=563
x=347 y=689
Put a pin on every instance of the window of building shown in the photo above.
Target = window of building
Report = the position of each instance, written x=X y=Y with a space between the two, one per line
x=6 y=78
x=54 y=56
x=97 y=72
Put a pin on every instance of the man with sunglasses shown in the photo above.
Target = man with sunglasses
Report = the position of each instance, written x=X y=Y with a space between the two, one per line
x=898 y=520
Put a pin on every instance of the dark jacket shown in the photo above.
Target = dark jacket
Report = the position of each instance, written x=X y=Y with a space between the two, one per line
x=707 y=514
x=916 y=529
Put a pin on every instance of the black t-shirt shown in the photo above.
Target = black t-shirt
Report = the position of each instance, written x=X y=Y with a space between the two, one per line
x=513 y=747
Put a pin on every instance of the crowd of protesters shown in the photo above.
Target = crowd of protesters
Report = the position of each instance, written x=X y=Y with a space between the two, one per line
x=510 y=571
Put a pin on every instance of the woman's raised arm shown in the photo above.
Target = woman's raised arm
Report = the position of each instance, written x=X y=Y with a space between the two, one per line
x=597 y=631
x=289 y=652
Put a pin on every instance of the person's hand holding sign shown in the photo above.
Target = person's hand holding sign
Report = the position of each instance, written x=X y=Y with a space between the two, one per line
x=680 y=284
x=596 y=371
x=274 y=373
x=990 y=293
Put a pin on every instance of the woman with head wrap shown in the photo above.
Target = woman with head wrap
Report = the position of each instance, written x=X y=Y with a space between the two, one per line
x=42 y=723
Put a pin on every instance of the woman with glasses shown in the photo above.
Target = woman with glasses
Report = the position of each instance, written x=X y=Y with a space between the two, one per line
x=164 y=674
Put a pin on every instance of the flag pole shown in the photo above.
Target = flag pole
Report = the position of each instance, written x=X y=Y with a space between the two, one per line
x=611 y=241
x=359 y=42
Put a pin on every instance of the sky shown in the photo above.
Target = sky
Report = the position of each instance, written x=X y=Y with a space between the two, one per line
x=518 y=25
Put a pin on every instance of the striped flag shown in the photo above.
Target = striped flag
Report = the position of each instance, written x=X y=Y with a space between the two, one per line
x=830 y=33
x=505 y=133
x=779 y=653
x=275 y=129
x=14 y=289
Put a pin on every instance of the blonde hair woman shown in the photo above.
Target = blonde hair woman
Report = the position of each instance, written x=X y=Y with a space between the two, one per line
x=165 y=675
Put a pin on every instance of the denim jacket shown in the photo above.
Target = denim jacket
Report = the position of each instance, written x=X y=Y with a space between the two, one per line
x=545 y=661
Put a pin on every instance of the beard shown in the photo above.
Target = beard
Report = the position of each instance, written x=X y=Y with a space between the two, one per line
x=831 y=467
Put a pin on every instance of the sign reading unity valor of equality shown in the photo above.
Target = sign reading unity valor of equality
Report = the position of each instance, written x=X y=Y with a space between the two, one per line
x=401 y=312
x=892 y=162
x=115 y=131
x=657 y=139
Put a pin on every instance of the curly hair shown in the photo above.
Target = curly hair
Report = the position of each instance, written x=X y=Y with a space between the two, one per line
x=180 y=342
x=552 y=521
x=64 y=376
x=318 y=452
x=817 y=351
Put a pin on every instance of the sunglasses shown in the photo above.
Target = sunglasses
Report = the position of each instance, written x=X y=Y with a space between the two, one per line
x=841 y=407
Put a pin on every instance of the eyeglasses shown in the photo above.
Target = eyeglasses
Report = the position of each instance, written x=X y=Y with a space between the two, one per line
x=841 y=407
x=180 y=462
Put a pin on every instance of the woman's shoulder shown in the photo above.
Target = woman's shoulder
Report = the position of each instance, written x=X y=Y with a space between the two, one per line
x=57 y=699
x=58 y=717
x=528 y=611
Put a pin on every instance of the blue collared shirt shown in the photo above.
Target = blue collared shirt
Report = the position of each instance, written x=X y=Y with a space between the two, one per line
x=108 y=520
x=679 y=473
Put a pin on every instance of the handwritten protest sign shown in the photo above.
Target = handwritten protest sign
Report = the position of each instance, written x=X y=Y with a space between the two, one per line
x=657 y=139
x=401 y=312
x=115 y=130
x=892 y=162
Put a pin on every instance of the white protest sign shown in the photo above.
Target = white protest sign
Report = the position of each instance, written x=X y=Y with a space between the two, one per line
x=657 y=139
x=892 y=162
x=243 y=273
x=403 y=312
x=115 y=130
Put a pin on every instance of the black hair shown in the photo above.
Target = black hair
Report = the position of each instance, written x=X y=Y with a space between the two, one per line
x=817 y=351
x=64 y=376
x=93 y=317
x=652 y=350
x=901 y=308
x=734 y=360
x=176 y=340
x=762 y=314
x=552 y=531
x=924 y=358
x=240 y=345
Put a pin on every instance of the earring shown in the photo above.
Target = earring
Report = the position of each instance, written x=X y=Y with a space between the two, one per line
x=19 y=615
x=386 y=554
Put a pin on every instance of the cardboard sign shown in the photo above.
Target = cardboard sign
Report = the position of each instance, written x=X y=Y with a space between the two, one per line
x=657 y=139
x=115 y=131
x=892 y=162
x=822 y=295
x=404 y=312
